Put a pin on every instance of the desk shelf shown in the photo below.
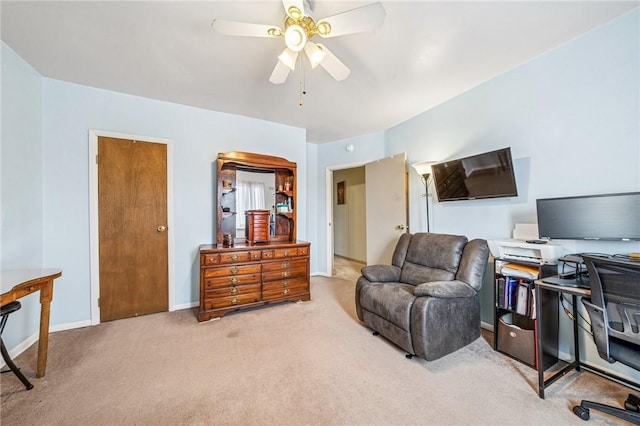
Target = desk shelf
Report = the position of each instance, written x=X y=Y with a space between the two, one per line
x=516 y=329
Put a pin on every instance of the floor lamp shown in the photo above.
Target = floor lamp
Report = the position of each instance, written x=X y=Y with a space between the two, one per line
x=423 y=168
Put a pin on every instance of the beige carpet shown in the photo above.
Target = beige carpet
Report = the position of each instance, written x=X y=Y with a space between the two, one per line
x=291 y=364
x=346 y=269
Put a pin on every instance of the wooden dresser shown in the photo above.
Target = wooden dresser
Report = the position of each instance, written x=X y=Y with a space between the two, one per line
x=247 y=276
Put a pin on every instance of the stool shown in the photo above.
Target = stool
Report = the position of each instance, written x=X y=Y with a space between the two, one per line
x=5 y=311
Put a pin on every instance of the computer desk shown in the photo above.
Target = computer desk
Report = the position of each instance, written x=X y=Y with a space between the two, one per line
x=569 y=288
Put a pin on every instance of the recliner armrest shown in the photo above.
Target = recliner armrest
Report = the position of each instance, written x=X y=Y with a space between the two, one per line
x=445 y=289
x=381 y=273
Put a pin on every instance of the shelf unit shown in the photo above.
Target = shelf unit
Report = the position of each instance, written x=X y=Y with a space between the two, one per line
x=515 y=327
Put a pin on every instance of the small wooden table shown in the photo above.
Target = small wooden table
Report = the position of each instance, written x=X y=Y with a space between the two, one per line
x=19 y=283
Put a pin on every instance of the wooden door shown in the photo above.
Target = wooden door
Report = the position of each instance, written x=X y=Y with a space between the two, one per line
x=386 y=199
x=132 y=217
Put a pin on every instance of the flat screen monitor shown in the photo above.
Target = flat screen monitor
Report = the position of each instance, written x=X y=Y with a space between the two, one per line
x=487 y=175
x=609 y=217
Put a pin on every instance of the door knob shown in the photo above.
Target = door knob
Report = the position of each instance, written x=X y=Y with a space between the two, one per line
x=401 y=227
x=161 y=228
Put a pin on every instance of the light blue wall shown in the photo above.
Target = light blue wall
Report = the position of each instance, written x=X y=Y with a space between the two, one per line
x=21 y=163
x=198 y=135
x=21 y=177
x=572 y=120
x=570 y=117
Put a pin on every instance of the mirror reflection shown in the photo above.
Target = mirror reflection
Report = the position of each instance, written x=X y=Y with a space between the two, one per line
x=254 y=191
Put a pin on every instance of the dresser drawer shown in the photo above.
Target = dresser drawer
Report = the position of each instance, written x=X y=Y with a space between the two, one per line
x=210 y=259
x=286 y=252
x=260 y=219
x=234 y=290
x=229 y=301
x=285 y=273
x=278 y=293
x=286 y=283
x=226 y=271
x=267 y=254
x=284 y=265
x=211 y=283
x=239 y=256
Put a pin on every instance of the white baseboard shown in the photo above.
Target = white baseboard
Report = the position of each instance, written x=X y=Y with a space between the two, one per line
x=70 y=326
x=486 y=326
x=22 y=346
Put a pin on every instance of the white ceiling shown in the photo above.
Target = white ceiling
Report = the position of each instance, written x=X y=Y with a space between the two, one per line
x=425 y=53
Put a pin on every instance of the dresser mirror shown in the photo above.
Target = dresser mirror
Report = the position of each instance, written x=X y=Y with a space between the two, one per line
x=248 y=181
x=255 y=190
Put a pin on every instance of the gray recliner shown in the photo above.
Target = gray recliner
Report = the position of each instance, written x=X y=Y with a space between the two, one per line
x=426 y=301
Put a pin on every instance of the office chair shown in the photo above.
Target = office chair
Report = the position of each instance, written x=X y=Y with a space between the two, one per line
x=614 y=311
x=5 y=311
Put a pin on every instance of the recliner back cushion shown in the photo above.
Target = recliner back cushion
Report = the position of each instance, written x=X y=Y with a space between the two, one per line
x=401 y=250
x=432 y=257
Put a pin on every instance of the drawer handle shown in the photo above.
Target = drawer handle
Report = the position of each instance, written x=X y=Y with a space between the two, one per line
x=286 y=253
x=285 y=283
x=286 y=273
x=234 y=257
x=234 y=280
x=285 y=265
x=234 y=270
x=286 y=291
x=234 y=301
x=234 y=290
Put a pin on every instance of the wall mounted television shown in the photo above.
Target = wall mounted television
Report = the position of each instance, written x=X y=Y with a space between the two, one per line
x=486 y=175
x=608 y=217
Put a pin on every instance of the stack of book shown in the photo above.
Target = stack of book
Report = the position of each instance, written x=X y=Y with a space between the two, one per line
x=515 y=290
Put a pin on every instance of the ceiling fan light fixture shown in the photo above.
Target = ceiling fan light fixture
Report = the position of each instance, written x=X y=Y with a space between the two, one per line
x=294 y=13
x=315 y=53
x=323 y=28
x=274 y=32
x=288 y=57
x=295 y=37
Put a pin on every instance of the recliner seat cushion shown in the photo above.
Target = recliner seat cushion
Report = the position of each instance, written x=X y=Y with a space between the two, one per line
x=392 y=301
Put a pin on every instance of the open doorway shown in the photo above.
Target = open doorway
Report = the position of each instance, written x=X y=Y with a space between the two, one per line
x=349 y=222
x=364 y=225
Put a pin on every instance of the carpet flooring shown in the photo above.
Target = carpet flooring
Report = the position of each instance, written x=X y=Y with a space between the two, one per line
x=291 y=364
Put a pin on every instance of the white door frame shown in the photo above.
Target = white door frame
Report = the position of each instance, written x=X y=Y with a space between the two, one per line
x=329 y=209
x=94 y=239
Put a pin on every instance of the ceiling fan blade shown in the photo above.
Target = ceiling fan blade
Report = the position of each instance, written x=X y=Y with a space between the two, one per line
x=246 y=29
x=364 y=18
x=333 y=65
x=292 y=13
x=280 y=73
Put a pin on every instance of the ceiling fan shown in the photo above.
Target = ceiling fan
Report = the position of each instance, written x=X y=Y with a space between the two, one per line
x=300 y=27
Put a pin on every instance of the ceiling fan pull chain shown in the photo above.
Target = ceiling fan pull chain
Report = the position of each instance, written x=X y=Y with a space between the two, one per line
x=300 y=97
x=303 y=80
